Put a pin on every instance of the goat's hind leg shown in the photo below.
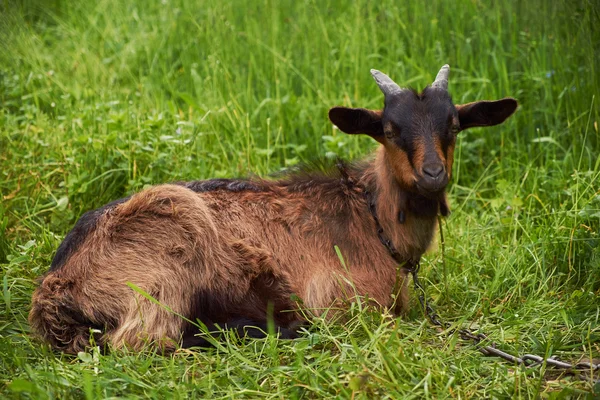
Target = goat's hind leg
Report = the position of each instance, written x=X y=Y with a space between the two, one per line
x=147 y=323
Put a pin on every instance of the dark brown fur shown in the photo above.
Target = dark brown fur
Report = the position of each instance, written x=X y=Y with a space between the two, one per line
x=225 y=252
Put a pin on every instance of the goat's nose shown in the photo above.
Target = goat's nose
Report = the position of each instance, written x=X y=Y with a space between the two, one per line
x=433 y=170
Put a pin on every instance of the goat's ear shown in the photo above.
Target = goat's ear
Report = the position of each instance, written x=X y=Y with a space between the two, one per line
x=358 y=120
x=485 y=113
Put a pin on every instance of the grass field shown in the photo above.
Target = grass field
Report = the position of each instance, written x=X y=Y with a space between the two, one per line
x=100 y=99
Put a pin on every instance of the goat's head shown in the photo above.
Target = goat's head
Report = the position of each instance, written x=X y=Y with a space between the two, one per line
x=418 y=130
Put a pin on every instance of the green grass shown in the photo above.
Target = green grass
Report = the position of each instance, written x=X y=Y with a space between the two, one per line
x=100 y=99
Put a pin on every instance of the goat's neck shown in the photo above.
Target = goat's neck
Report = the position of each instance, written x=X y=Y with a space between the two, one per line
x=412 y=236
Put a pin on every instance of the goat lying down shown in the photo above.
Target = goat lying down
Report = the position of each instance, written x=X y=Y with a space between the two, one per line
x=230 y=252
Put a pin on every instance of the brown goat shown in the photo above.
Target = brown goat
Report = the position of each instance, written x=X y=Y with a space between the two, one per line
x=231 y=252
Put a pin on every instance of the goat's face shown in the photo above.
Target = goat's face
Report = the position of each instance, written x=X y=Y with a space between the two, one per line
x=419 y=133
x=418 y=130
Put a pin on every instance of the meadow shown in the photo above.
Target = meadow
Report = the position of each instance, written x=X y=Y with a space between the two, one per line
x=101 y=99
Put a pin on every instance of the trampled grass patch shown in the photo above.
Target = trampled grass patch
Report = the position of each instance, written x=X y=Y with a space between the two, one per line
x=101 y=99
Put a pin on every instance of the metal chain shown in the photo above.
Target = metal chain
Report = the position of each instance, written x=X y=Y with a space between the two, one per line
x=413 y=266
x=386 y=242
x=529 y=360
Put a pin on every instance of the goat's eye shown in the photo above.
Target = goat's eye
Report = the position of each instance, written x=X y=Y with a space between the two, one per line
x=389 y=133
x=454 y=129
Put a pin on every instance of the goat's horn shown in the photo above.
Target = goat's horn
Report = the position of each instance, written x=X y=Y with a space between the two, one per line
x=385 y=83
x=441 y=80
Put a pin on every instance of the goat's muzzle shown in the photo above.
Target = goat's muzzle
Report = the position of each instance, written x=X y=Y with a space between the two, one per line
x=432 y=180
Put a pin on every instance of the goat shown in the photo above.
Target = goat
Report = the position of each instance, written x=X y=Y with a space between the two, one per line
x=234 y=252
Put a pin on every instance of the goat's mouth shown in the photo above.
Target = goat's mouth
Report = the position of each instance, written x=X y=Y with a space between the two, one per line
x=431 y=188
